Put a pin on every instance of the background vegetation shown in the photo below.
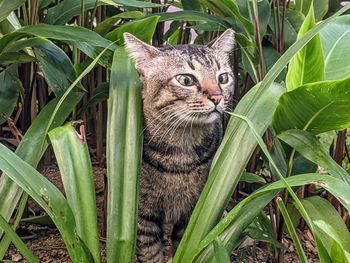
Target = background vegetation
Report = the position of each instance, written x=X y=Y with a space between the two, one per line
x=64 y=60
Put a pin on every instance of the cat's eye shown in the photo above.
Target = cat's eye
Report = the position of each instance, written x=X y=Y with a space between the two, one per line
x=223 y=78
x=185 y=80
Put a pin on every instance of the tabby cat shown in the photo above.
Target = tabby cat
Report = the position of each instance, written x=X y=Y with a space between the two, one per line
x=186 y=88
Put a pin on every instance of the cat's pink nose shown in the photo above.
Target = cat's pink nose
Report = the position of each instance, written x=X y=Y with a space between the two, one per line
x=216 y=98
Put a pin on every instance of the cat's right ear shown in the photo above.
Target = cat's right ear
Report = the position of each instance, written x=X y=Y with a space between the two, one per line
x=140 y=51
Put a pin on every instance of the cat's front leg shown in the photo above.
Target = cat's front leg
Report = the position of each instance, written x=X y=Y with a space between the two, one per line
x=150 y=244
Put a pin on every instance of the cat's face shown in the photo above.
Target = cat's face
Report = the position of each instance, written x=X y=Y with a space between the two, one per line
x=189 y=83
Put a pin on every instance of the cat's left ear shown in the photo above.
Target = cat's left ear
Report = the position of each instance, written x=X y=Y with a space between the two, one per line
x=140 y=51
x=225 y=42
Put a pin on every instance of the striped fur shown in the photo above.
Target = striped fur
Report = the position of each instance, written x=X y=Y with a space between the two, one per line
x=183 y=129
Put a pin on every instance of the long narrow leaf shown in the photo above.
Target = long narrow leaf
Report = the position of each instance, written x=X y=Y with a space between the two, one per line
x=228 y=165
x=48 y=197
x=17 y=241
x=73 y=159
x=124 y=148
x=291 y=230
x=324 y=257
x=28 y=149
x=230 y=227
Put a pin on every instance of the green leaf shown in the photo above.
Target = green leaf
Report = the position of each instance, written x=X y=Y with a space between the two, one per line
x=221 y=255
x=124 y=149
x=252 y=178
x=284 y=59
x=335 y=41
x=103 y=27
x=320 y=6
x=310 y=147
x=231 y=226
x=191 y=5
x=9 y=90
x=330 y=226
x=7 y=6
x=73 y=159
x=88 y=41
x=56 y=66
x=65 y=10
x=138 y=4
x=315 y=107
x=271 y=56
x=225 y=172
x=48 y=197
x=99 y=94
x=291 y=230
x=191 y=16
x=261 y=229
x=17 y=241
x=29 y=150
x=15 y=57
x=142 y=29
x=307 y=65
x=229 y=8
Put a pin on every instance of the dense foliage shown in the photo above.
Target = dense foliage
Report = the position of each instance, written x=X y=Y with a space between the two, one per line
x=64 y=60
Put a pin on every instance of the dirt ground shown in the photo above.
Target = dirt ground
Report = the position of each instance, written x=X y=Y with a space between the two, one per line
x=47 y=245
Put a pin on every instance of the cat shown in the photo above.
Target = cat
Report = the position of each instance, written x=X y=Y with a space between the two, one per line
x=186 y=89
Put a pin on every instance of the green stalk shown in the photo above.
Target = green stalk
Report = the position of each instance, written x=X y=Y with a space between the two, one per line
x=291 y=230
x=73 y=159
x=124 y=149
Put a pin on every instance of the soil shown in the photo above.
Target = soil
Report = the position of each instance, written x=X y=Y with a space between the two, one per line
x=47 y=245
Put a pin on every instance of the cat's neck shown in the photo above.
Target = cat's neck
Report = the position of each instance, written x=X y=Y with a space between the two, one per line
x=184 y=137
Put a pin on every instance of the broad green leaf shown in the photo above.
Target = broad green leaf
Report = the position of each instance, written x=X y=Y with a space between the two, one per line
x=7 y=6
x=290 y=52
x=225 y=172
x=311 y=148
x=9 y=90
x=320 y=6
x=221 y=255
x=315 y=107
x=56 y=66
x=330 y=226
x=65 y=10
x=17 y=241
x=74 y=161
x=124 y=149
x=291 y=230
x=307 y=65
x=142 y=29
x=103 y=27
x=335 y=41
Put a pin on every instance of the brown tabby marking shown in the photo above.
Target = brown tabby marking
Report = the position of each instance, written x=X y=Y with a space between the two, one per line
x=185 y=91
